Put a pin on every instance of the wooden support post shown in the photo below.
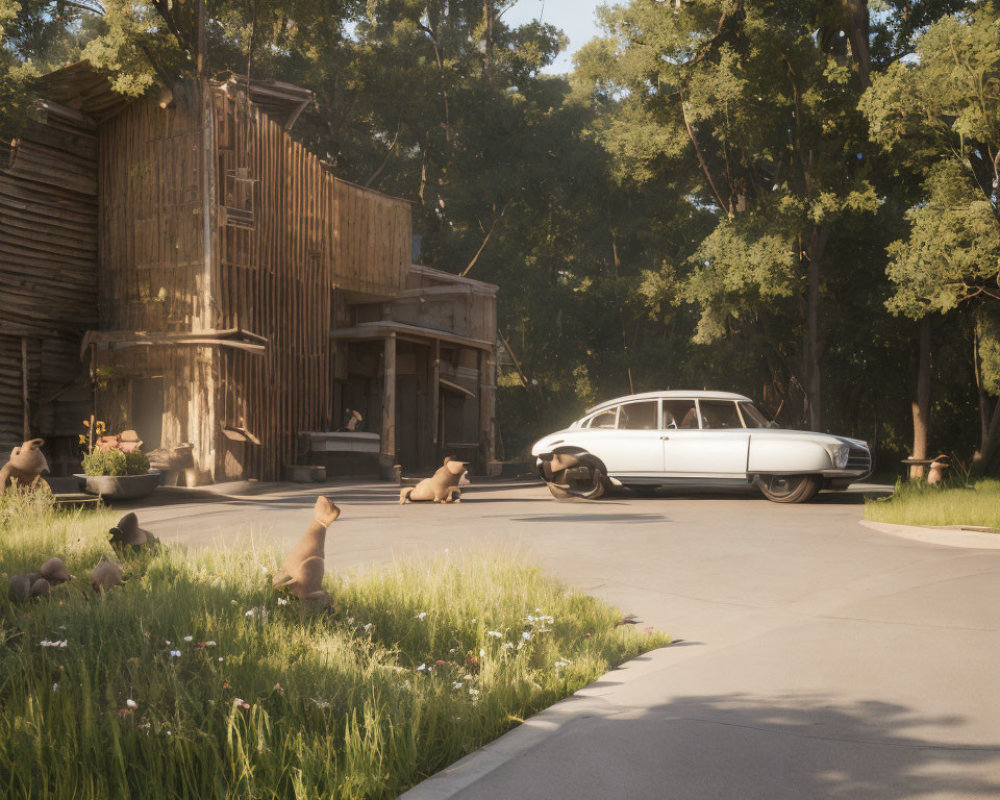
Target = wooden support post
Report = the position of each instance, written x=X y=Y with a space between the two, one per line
x=487 y=409
x=24 y=389
x=387 y=453
x=436 y=394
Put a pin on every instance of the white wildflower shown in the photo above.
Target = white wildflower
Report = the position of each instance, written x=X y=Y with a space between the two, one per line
x=421 y=615
x=561 y=664
x=421 y=668
x=282 y=601
x=188 y=638
x=175 y=653
x=55 y=687
x=320 y=703
x=456 y=685
x=482 y=654
x=495 y=634
x=131 y=703
x=367 y=626
x=508 y=646
x=526 y=636
x=474 y=692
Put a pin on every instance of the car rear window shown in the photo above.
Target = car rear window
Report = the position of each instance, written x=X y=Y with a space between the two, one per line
x=638 y=416
x=719 y=414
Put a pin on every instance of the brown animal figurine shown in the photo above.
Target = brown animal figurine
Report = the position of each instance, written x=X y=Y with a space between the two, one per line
x=441 y=487
x=302 y=572
x=105 y=576
x=26 y=465
x=55 y=572
x=128 y=535
x=935 y=473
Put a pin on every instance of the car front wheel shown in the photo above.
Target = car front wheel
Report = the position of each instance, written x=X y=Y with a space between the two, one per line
x=584 y=481
x=788 y=488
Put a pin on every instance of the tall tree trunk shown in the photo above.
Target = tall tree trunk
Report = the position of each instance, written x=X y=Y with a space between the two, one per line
x=922 y=403
x=812 y=353
x=859 y=40
x=989 y=419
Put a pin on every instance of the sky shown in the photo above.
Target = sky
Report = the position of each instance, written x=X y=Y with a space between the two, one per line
x=575 y=17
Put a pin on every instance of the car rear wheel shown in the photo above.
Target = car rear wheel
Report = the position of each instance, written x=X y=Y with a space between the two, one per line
x=788 y=488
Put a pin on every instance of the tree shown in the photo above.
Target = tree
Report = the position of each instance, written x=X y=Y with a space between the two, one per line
x=758 y=110
x=940 y=111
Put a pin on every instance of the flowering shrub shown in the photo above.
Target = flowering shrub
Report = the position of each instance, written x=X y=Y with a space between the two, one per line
x=115 y=462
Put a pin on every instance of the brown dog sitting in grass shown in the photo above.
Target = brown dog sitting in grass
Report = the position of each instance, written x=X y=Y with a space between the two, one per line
x=26 y=465
x=302 y=572
x=441 y=487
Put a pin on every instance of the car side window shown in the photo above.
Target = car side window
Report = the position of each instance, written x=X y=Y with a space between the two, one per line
x=606 y=419
x=638 y=416
x=679 y=414
x=720 y=414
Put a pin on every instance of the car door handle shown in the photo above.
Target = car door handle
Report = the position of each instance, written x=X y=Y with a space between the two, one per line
x=664 y=438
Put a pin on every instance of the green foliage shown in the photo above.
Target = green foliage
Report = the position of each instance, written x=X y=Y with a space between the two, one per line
x=115 y=462
x=955 y=503
x=196 y=679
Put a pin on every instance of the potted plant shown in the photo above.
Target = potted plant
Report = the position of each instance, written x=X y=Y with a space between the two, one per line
x=114 y=465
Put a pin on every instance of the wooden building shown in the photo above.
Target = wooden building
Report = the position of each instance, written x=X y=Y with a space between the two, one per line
x=233 y=295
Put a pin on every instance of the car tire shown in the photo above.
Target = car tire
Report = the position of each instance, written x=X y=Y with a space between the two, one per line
x=788 y=488
x=590 y=486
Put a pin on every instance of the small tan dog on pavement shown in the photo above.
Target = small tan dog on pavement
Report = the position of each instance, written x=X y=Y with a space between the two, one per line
x=441 y=487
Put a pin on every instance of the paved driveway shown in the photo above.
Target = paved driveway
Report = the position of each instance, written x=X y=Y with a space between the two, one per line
x=819 y=658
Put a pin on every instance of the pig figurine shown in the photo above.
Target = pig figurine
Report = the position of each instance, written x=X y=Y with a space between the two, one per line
x=26 y=465
x=441 y=487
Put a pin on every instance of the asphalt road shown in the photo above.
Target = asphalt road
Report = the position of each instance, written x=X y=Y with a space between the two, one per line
x=819 y=658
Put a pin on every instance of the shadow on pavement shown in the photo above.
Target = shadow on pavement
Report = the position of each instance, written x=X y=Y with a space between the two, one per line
x=733 y=746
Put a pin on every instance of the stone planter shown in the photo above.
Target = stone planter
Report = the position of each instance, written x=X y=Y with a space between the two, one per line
x=121 y=487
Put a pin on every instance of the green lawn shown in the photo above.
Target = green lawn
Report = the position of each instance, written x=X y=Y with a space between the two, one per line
x=915 y=503
x=197 y=680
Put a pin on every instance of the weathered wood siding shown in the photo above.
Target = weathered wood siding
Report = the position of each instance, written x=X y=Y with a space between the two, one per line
x=152 y=270
x=48 y=274
x=289 y=233
x=151 y=237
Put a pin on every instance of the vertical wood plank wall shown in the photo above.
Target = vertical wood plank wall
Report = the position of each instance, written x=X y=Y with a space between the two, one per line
x=48 y=272
x=152 y=266
x=311 y=233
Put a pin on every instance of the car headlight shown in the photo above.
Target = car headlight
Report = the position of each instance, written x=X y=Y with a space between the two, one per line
x=839 y=454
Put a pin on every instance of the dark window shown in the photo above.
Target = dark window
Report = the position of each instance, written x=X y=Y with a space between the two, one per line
x=679 y=414
x=606 y=419
x=719 y=414
x=638 y=416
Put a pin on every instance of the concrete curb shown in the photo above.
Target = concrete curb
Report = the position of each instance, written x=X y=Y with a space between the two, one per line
x=949 y=536
x=587 y=703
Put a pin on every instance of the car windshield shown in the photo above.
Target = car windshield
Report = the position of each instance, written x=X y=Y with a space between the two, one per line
x=755 y=418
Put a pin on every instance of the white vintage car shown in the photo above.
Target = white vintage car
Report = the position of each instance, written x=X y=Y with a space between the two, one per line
x=703 y=439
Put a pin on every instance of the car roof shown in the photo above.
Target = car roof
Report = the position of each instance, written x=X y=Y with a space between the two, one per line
x=669 y=395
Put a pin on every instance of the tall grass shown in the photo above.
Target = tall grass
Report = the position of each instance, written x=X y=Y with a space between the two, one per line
x=197 y=680
x=916 y=503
